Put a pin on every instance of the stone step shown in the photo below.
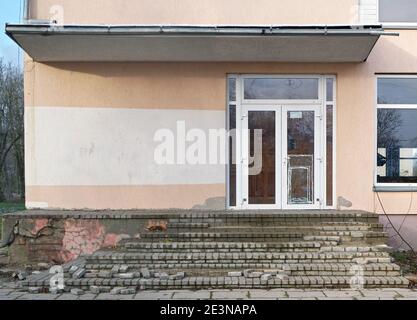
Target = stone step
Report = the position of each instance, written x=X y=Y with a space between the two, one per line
x=204 y=268
x=288 y=229
x=302 y=269
x=228 y=236
x=193 y=283
x=226 y=246
x=368 y=236
x=291 y=224
x=188 y=225
x=207 y=260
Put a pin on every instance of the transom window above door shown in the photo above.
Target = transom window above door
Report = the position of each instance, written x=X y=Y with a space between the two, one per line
x=281 y=88
x=396 y=160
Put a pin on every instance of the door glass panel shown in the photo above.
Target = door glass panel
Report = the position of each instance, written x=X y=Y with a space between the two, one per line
x=262 y=133
x=300 y=162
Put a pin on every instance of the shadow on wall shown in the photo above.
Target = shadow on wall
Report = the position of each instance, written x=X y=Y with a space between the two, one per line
x=395 y=54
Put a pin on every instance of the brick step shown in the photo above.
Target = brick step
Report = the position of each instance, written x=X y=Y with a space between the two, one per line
x=224 y=272
x=288 y=229
x=188 y=225
x=218 y=236
x=285 y=236
x=262 y=250
x=352 y=239
x=226 y=246
x=283 y=224
x=193 y=283
x=234 y=259
x=207 y=267
x=273 y=216
x=203 y=223
x=114 y=255
x=306 y=269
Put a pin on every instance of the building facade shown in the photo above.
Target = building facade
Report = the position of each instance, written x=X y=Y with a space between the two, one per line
x=127 y=105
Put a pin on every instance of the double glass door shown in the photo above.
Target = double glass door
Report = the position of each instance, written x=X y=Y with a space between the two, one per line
x=281 y=158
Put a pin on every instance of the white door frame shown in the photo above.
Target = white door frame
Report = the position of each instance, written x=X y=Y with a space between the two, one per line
x=241 y=121
x=245 y=161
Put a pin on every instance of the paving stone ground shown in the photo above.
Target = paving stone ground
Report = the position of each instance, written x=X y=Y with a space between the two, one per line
x=8 y=291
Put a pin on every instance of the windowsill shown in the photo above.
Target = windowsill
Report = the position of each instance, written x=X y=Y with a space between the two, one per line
x=397 y=26
x=395 y=188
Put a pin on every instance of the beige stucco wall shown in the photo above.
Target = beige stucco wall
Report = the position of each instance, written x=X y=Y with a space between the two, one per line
x=77 y=146
x=197 y=11
x=78 y=157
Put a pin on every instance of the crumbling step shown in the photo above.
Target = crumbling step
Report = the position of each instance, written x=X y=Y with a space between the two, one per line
x=233 y=260
x=3 y=252
x=201 y=268
x=4 y=257
x=368 y=237
x=198 y=237
x=228 y=236
x=227 y=246
x=352 y=238
x=297 y=224
x=193 y=283
x=306 y=229
x=188 y=225
x=335 y=269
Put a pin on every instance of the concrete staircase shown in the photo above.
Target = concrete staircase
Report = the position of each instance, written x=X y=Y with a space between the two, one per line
x=242 y=250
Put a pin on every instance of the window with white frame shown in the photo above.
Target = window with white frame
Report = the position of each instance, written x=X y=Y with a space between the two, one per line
x=398 y=11
x=397 y=130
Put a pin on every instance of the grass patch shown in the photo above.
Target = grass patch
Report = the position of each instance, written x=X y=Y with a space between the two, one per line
x=406 y=260
x=8 y=207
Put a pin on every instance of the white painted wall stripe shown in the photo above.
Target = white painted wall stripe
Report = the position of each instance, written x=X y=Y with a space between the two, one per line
x=107 y=147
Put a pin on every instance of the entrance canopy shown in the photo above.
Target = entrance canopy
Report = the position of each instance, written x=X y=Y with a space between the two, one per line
x=84 y=43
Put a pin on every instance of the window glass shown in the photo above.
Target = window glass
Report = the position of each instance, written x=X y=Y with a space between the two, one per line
x=232 y=156
x=329 y=155
x=398 y=11
x=329 y=89
x=281 y=88
x=397 y=146
x=232 y=89
x=397 y=90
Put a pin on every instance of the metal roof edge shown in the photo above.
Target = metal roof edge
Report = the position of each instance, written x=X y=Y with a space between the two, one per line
x=203 y=30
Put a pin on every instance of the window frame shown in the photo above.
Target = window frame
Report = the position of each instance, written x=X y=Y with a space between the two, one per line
x=321 y=102
x=391 y=186
x=394 y=25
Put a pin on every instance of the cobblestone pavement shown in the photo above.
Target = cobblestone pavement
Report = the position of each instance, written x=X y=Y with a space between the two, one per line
x=8 y=292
